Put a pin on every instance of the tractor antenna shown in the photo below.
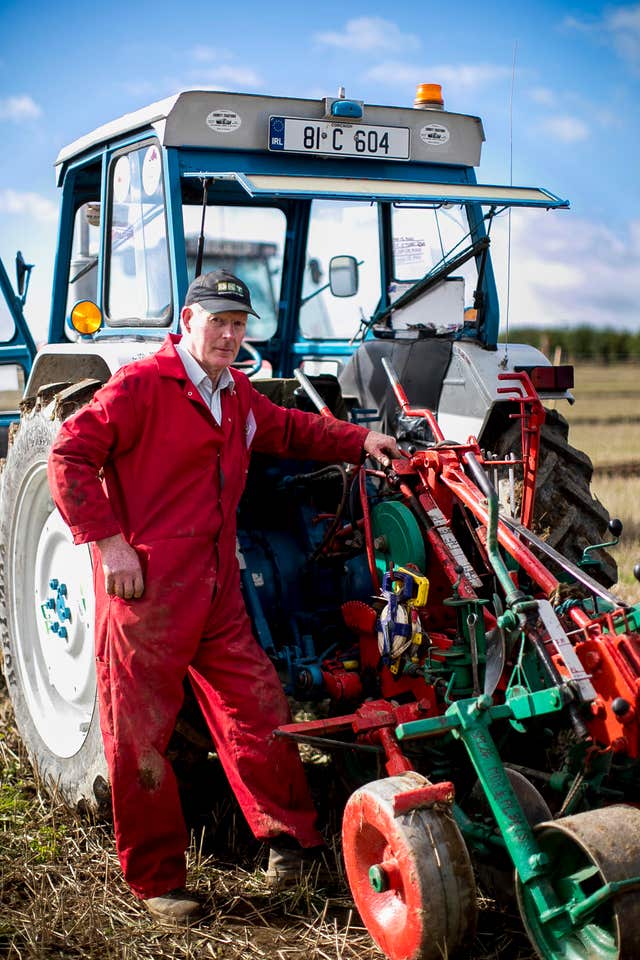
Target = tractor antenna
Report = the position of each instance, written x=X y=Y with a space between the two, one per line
x=513 y=77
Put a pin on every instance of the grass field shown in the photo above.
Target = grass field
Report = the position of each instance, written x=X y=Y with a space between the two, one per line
x=604 y=392
x=61 y=892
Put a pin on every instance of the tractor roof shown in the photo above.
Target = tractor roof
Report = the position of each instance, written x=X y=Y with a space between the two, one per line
x=215 y=119
x=249 y=124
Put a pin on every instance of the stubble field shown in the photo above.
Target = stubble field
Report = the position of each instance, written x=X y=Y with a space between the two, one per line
x=605 y=423
x=61 y=894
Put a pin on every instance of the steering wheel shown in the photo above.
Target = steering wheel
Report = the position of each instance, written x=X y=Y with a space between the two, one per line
x=251 y=363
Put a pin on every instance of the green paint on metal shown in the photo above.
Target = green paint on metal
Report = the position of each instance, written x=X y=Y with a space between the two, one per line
x=585 y=929
x=397 y=537
x=378 y=878
x=564 y=899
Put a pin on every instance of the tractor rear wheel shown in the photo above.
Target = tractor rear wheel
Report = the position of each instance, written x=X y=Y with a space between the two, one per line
x=46 y=596
x=409 y=873
x=566 y=514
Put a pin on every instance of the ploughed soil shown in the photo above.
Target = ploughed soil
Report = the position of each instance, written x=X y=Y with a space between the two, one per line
x=62 y=895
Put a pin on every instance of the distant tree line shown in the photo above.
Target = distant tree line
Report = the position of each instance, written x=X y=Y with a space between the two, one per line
x=580 y=343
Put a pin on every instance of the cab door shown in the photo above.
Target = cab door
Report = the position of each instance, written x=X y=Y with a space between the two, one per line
x=17 y=351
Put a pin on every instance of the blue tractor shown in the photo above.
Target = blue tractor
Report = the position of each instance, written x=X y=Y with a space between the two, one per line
x=364 y=237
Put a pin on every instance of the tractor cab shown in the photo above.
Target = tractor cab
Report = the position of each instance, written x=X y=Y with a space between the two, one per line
x=350 y=222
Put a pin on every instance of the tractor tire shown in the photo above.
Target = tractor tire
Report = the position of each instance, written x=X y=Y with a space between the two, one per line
x=566 y=514
x=46 y=613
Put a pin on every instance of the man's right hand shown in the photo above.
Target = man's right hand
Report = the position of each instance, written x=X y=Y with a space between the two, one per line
x=121 y=567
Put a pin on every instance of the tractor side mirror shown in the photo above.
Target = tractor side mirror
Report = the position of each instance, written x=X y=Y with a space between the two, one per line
x=343 y=276
x=23 y=272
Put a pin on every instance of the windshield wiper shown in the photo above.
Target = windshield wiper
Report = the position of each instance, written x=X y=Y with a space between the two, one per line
x=434 y=276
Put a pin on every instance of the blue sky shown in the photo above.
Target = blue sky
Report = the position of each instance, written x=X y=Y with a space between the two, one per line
x=67 y=68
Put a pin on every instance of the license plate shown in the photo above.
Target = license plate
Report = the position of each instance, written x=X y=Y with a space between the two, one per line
x=293 y=135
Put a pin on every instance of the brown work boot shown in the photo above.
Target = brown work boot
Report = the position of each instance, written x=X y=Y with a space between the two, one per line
x=289 y=864
x=285 y=867
x=176 y=906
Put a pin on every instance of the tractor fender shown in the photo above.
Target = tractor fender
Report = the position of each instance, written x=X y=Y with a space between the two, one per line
x=469 y=399
x=94 y=360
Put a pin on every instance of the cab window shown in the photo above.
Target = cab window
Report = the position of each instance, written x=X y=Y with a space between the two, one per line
x=424 y=236
x=138 y=276
x=248 y=242
x=7 y=326
x=12 y=381
x=83 y=269
x=339 y=227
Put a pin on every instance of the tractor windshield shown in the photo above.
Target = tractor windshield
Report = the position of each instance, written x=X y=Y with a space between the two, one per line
x=423 y=237
x=338 y=227
x=249 y=242
x=425 y=240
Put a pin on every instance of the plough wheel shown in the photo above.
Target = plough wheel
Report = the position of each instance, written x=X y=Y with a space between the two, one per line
x=586 y=852
x=494 y=871
x=410 y=874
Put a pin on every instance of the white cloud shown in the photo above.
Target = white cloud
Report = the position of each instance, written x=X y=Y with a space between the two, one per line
x=19 y=108
x=619 y=27
x=205 y=54
x=567 y=270
x=542 y=95
x=623 y=26
x=28 y=204
x=364 y=34
x=572 y=23
x=459 y=78
x=566 y=129
x=227 y=75
x=209 y=68
x=144 y=89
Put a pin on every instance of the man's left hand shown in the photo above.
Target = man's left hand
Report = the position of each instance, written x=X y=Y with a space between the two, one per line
x=382 y=447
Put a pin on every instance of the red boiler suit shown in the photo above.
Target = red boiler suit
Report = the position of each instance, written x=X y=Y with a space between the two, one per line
x=172 y=479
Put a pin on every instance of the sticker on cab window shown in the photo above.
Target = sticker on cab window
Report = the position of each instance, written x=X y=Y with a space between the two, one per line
x=151 y=170
x=121 y=179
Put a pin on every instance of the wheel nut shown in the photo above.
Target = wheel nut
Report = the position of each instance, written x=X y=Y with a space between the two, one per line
x=380 y=543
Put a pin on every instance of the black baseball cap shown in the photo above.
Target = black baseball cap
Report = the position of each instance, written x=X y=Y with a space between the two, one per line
x=219 y=291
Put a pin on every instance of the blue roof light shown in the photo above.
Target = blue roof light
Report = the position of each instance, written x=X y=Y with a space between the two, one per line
x=346 y=108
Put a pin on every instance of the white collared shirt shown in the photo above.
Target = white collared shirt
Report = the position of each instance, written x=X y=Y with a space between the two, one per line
x=202 y=382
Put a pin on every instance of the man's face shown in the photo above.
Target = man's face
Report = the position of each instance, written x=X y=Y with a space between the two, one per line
x=214 y=339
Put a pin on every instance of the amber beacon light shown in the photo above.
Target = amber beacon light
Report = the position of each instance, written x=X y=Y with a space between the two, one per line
x=429 y=97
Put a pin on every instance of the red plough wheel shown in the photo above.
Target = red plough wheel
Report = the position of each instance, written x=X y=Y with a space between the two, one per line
x=410 y=873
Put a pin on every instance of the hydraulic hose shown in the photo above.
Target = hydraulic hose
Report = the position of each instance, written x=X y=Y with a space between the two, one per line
x=333 y=468
x=368 y=533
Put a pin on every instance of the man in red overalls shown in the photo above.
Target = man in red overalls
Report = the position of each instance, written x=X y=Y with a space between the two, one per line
x=151 y=472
